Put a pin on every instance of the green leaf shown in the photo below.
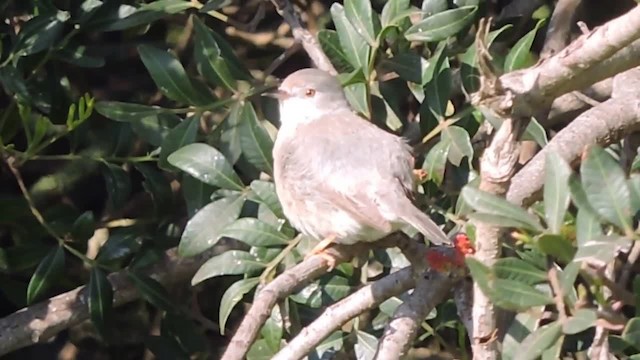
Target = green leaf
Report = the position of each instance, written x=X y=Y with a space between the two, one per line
x=432 y=7
x=409 y=66
x=120 y=111
x=273 y=328
x=437 y=90
x=330 y=44
x=204 y=228
x=392 y=10
x=39 y=33
x=634 y=188
x=581 y=320
x=122 y=243
x=602 y=249
x=208 y=57
x=469 y=63
x=212 y=5
x=460 y=144
x=266 y=193
x=185 y=331
x=360 y=15
x=435 y=162
x=567 y=278
x=255 y=141
x=232 y=296
x=165 y=348
x=232 y=262
x=151 y=290
x=493 y=206
x=206 y=164
x=556 y=190
x=334 y=288
x=196 y=194
x=357 y=51
x=535 y=132
x=631 y=332
x=230 y=135
x=579 y=196
x=83 y=227
x=515 y=295
x=254 y=232
x=100 y=301
x=523 y=324
x=366 y=346
x=606 y=187
x=170 y=77
x=441 y=25
x=518 y=270
x=181 y=135
x=482 y=275
x=261 y=350
x=126 y=16
x=358 y=96
x=118 y=185
x=519 y=56
x=556 y=246
x=77 y=55
x=156 y=185
x=47 y=273
x=537 y=342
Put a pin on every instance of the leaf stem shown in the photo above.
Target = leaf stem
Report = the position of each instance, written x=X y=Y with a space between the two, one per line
x=271 y=266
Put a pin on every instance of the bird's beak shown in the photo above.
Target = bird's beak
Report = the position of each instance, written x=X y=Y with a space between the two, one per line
x=278 y=94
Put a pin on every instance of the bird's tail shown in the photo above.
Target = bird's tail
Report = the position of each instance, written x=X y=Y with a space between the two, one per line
x=425 y=225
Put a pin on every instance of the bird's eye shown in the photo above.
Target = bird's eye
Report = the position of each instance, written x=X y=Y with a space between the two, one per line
x=310 y=92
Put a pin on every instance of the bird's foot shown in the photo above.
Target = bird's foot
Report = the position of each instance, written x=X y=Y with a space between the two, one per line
x=319 y=250
x=420 y=175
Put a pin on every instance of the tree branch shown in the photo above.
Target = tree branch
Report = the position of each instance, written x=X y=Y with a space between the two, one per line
x=39 y=322
x=300 y=34
x=604 y=124
x=346 y=309
x=402 y=329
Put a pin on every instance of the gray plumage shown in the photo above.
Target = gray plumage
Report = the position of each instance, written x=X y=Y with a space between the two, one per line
x=336 y=173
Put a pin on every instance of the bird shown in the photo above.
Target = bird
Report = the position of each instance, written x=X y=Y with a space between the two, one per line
x=340 y=178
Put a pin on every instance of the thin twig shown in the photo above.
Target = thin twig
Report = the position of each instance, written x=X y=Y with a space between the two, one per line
x=558 y=296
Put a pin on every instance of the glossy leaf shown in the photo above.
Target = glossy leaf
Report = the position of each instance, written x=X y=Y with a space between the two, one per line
x=357 y=51
x=392 y=10
x=266 y=193
x=39 y=33
x=156 y=185
x=556 y=190
x=181 y=135
x=122 y=243
x=254 y=232
x=537 y=342
x=432 y=7
x=360 y=15
x=47 y=273
x=581 y=320
x=196 y=194
x=493 y=206
x=518 y=270
x=535 y=132
x=121 y=111
x=83 y=227
x=556 y=246
x=631 y=332
x=256 y=143
x=358 y=97
x=118 y=185
x=601 y=250
x=206 y=164
x=330 y=44
x=208 y=57
x=460 y=144
x=126 y=16
x=170 y=77
x=204 y=228
x=230 y=135
x=435 y=162
x=519 y=56
x=100 y=301
x=77 y=55
x=523 y=324
x=409 y=66
x=515 y=295
x=232 y=296
x=151 y=290
x=232 y=262
x=441 y=25
x=606 y=187
x=366 y=345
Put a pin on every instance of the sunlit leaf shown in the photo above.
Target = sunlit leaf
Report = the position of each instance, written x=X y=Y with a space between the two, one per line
x=47 y=273
x=100 y=301
x=232 y=296
x=206 y=164
x=441 y=25
x=556 y=190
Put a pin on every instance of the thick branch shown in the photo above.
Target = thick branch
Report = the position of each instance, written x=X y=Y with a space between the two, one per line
x=348 y=308
x=303 y=36
x=282 y=286
x=402 y=329
x=41 y=321
x=606 y=51
x=604 y=124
